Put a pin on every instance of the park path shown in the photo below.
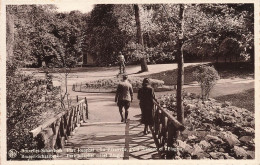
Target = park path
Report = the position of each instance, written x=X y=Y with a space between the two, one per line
x=105 y=137
x=223 y=86
x=85 y=74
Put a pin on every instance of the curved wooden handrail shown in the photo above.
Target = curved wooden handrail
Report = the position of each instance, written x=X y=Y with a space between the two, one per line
x=175 y=122
x=54 y=132
x=165 y=131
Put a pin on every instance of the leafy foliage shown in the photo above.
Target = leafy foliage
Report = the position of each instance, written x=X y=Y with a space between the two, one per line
x=43 y=35
x=27 y=100
x=105 y=39
x=206 y=26
x=207 y=77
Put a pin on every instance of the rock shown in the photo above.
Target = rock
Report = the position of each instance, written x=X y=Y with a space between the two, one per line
x=211 y=99
x=230 y=138
x=222 y=157
x=219 y=119
x=246 y=139
x=217 y=108
x=177 y=158
x=219 y=129
x=228 y=117
x=216 y=155
x=251 y=154
x=204 y=144
x=192 y=137
x=236 y=114
x=186 y=147
x=227 y=156
x=197 y=150
x=249 y=119
x=230 y=122
x=240 y=152
x=193 y=95
x=214 y=139
x=191 y=106
x=226 y=104
x=248 y=130
x=221 y=150
x=245 y=147
x=207 y=126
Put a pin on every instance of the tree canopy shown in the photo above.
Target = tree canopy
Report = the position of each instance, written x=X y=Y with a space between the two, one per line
x=41 y=34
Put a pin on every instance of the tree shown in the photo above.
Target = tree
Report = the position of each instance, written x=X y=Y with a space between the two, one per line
x=32 y=25
x=179 y=23
x=229 y=48
x=105 y=38
x=180 y=78
x=139 y=37
x=10 y=36
x=42 y=34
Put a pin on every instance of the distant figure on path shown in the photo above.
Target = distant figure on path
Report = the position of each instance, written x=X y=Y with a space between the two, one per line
x=49 y=82
x=146 y=96
x=121 y=60
x=124 y=95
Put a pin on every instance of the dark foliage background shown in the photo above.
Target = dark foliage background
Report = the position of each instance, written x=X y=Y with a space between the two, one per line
x=211 y=32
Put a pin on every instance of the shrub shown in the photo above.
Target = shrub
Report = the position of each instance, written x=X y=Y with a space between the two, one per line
x=207 y=77
x=27 y=99
x=112 y=83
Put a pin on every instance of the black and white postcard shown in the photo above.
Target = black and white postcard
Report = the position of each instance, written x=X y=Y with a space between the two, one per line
x=129 y=82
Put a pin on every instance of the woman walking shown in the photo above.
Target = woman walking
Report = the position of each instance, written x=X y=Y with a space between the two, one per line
x=146 y=96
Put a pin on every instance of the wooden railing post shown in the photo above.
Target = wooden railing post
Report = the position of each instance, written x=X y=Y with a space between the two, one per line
x=56 y=128
x=54 y=133
x=86 y=102
x=165 y=131
x=170 y=141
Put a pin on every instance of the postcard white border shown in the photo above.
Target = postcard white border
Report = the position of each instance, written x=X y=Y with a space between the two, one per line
x=3 y=4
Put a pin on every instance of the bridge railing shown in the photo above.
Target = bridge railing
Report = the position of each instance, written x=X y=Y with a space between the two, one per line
x=54 y=133
x=165 y=131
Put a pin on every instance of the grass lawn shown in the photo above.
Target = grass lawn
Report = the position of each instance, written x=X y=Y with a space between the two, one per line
x=235 y=69
x=170 y=77
x=244 y=99
x=225 y=70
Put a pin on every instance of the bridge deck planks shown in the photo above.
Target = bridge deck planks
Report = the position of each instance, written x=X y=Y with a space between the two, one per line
x=97 y=141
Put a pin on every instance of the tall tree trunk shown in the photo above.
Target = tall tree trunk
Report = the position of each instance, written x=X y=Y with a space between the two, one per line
x=252 y=54
x=217 y=54
x=9 y=37
x=139 y=37
x=180 y=78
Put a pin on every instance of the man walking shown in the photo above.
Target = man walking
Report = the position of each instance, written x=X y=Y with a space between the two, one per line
x=124 y=95
x=121 y=60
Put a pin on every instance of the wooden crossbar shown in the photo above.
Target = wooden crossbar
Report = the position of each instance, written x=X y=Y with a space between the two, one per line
x=54 y=131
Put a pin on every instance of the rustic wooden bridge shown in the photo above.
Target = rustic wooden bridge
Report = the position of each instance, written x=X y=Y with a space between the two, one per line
x=72 y=137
